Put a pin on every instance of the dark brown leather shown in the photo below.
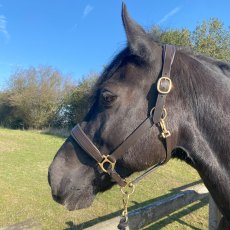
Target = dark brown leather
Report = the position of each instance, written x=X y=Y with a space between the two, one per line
x=86 y=144
x=168 y=58
x=131 y=139
x=154 y=118
x=122 y=182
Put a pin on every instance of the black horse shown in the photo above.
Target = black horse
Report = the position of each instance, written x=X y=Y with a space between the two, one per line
x=198 y=108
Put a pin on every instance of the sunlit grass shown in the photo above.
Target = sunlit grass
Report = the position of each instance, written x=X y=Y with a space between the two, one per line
x=24 y=191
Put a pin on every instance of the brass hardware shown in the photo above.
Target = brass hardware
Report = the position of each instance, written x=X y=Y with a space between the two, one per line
x=104 y=161
x=128 y=186
x=165 y=132
x=125 y=198
x=164 y=114
x=159 y=88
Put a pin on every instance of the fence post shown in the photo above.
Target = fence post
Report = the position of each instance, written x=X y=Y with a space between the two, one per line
x=214 y=215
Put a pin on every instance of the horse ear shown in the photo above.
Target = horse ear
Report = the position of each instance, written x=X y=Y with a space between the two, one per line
x=138 y=39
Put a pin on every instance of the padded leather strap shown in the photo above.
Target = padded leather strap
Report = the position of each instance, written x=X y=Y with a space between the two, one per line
x=168 y=57
x=86 y=144
x=132 y=139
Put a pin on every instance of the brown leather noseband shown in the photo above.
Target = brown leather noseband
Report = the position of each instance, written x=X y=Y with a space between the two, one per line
x=157 y=116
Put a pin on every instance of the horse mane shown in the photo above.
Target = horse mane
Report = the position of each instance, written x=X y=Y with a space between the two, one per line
x=202 y=70
x=219 y=66
x=200 y=74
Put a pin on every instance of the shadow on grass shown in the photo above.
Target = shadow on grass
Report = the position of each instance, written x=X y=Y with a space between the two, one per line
x=168 y=220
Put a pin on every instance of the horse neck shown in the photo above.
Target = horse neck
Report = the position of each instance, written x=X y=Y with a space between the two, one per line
x=203 y=125
x=204 y=95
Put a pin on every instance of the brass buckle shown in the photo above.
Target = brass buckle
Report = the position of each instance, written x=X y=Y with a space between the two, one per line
x=105 y=159
x=159 y=89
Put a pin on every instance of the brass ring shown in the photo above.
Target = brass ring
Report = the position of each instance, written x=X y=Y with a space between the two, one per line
x=164 y=114
x=130 y=185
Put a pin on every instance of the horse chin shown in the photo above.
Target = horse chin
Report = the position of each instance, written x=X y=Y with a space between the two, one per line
x=72 y=206
x=75 y=203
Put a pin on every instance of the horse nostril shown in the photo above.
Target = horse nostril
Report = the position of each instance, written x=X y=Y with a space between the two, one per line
x=57 y=198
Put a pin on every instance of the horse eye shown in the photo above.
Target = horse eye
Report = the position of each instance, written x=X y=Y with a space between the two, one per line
x=108 y=97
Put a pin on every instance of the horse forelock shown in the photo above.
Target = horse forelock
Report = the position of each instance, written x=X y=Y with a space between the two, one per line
x=121 y=59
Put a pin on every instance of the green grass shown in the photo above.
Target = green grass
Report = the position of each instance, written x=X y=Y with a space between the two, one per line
x=24 y=191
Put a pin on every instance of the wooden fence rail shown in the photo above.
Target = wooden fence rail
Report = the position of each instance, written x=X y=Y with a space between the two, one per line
x=146 y=215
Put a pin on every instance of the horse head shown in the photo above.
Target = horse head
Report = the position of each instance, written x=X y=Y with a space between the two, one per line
x=123 y=97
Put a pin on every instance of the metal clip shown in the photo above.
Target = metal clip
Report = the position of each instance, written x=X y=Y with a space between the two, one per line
x=165 y=132
x=125 y=198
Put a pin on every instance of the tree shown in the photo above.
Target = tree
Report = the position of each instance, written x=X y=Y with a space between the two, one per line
x=8 y=114
x=210 y=37
x=41 y=97
x=34 y=95
x=76 y=103
x=172 y=36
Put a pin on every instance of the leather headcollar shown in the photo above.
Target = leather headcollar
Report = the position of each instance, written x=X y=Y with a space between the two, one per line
x=157 y=116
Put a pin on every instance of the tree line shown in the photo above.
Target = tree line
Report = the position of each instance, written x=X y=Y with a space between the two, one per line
x=43 y=97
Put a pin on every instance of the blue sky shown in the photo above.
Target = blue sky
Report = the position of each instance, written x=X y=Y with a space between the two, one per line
x=80 y=36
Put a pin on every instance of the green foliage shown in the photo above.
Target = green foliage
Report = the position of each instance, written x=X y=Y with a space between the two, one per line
x=42 y=97
x=8 y=113
x=210 y=38
x=76 y=103
x=32 y=97
x=172 y=36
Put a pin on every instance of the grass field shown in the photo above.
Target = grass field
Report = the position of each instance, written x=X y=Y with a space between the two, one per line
x=24 y=191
